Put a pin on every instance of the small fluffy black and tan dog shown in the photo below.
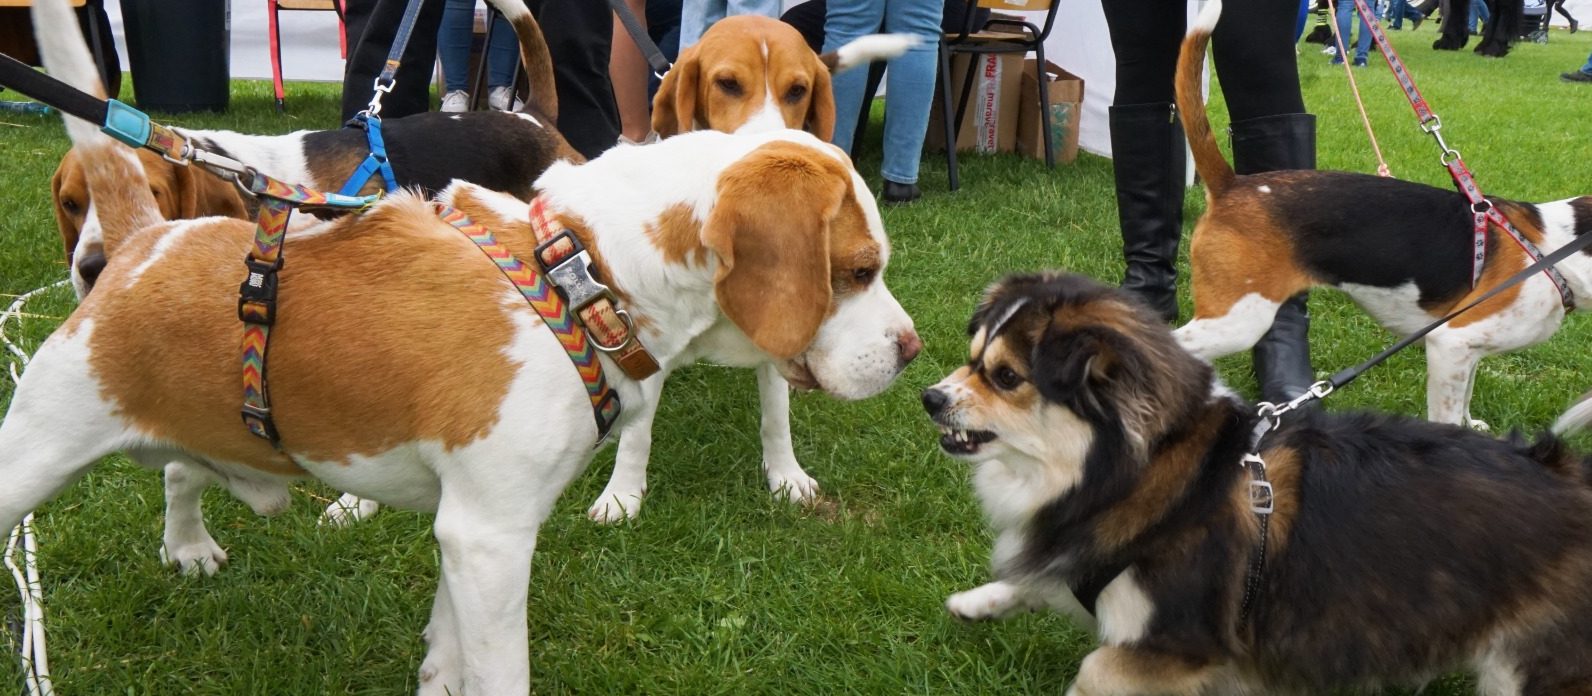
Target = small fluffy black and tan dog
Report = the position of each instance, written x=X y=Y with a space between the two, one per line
x=1401 y=250
x=1108 y=459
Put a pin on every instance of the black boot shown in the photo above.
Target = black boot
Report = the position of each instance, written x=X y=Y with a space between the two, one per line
x=1148 y=160
x=1282 y=357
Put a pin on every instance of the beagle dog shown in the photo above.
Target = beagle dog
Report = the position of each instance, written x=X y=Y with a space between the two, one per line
x=471 y=409
x=750 y=71
x=1401 y=250
x=747 y=74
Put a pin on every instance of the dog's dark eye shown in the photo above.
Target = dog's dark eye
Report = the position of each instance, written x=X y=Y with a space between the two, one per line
x=70 y=205
x=729 y=86
x=795 y=94
x=1006 y=378
x=864 y=275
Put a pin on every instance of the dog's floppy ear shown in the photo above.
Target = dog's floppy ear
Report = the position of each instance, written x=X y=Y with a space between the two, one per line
x=770 y=231
x=63 y=221
x=674 y=107
x=821 y=104
x=1072 y=367
x=201 y=195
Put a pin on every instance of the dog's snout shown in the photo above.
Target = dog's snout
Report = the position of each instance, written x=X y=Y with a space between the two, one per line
x=909 y=344
x=90 y=265
x=935 y=401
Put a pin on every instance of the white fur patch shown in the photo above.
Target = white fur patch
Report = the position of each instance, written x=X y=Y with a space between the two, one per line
x=1263 y=188
x=1398 y=308
x=530 y=118
x=1209 y=14
x=1577 y=418
x=1124 y=610
x=1496 y=675
x=1243 y=324
x=873 y=47
x=168 y=240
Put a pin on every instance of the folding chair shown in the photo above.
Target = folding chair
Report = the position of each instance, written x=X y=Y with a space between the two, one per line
x=274 y=6
x=1028 y=37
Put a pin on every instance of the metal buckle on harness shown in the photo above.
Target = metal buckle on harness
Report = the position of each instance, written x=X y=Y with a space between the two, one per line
x=573 y=275
x=257 y=293
x=257 y=417
x=1261 y=500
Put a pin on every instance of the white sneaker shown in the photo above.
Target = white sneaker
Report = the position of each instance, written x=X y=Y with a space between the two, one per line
x=456 y=101
x=500 y=97
x=1330 y=50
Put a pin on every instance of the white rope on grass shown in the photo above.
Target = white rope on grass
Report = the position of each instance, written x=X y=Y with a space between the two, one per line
x=35 y=660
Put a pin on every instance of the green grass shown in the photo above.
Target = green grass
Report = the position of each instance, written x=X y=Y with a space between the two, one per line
x=717 y=588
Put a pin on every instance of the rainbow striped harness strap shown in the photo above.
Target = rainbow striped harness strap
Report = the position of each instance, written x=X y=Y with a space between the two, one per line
x=257 y=294
x=561 y=289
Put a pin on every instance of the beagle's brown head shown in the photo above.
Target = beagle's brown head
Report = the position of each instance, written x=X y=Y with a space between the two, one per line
x=748 y=72
x=801 y=257
x=181 y=192
x=1056 y=359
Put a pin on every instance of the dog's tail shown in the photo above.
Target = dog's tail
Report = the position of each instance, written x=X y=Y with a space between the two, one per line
x=867 y=49
x=116 y=181
x=1208 y=160
x=1579 y=417
x=534 y=55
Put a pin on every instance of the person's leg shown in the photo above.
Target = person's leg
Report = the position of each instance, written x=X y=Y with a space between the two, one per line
x=844 y=21
x=1345 y=19
x=1147 y=152
x=1588 y=67
x=628 y=70
x=370 y=26
x=454 y=34
x=696 y=16
x=579 y=34
x=1363 y=47
x=1397 y=11
x=505 y=54
x=766 y=8
x=909 y=92
x=1255 y=62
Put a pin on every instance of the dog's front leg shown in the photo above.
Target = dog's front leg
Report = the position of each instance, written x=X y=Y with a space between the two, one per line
x=786 y=478
x=621 y=498
x=993 y=600
x=441 y=673
x=186 y=543
x=1451 y=363
x=1128 y=671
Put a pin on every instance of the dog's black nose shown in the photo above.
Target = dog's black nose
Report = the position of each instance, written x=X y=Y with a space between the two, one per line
x=935 y=401
x=90 y=265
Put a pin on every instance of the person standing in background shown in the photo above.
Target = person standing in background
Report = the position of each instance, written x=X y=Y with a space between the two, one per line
x=454 y=40
x=697 y=15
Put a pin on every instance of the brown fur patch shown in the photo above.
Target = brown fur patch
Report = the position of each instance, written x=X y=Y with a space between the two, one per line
x=345 y=379
x=1504 y=259
x=1127 y=670
x=1239 y=249
x=678 y=235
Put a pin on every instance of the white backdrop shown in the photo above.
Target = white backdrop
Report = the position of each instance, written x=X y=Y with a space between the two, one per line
x=1079 y=43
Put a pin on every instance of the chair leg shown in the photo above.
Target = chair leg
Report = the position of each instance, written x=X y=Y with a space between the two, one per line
x=478 y=84
x=276 y=56
x=1044 y=104
x=945 y=117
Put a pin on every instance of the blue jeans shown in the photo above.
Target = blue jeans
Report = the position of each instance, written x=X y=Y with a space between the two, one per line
x=697 y=15
x=909 y=79
x=1478 y=13
x=1588 y=67
x=1401 y=10
x=454 y=36
x=1346 y=15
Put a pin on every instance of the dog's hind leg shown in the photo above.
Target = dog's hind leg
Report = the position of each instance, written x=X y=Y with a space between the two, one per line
x=186 y=543
x=1128 y=671
x=56 y=429
x=621 y=498
x=1212 y=336
x=440 y=673
x=786 y=478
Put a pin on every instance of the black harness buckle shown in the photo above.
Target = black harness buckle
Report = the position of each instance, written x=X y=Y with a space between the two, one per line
x=257 y=293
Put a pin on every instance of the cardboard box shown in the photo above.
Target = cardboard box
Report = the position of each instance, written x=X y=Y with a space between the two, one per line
x=1066 y=106
x=990 y=124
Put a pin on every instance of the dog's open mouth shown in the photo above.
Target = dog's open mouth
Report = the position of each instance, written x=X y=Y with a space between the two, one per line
x=964 y=442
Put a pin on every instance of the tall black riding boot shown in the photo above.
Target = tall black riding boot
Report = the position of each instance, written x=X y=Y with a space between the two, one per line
x=1148 y=160
x=1282 y=357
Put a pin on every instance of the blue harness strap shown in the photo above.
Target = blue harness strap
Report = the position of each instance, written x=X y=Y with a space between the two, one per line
x=376 y=162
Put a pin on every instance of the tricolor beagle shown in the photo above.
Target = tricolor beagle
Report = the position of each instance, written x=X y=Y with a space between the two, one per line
x=747 y=74
x=1401 y=250
x=468 y=406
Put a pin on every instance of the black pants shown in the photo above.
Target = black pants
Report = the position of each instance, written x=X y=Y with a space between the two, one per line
x=579 y=34
x=1253 y=47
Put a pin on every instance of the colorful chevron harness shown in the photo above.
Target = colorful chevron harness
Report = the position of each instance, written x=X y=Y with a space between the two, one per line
x=560 y=282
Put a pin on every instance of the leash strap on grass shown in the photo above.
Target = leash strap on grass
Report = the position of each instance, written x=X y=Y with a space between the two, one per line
x=638 y=34
x=550 y=305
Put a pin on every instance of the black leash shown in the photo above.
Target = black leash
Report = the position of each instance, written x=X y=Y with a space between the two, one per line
x=21 y=77
x=1260 y=490
x=638 y=34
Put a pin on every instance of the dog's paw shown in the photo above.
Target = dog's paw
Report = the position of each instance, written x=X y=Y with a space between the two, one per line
x=792 y=483
x=438 y=679
x=1477 y=425
x=989 y=601
x=613 y=508
x=202 y=555
x=349 y=509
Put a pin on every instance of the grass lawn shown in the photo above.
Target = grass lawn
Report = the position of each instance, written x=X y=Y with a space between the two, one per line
x=717 y=588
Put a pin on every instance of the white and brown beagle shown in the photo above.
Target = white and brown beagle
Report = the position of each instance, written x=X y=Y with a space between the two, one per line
x=1401 y=250
x=470 y=408
x=747 y=74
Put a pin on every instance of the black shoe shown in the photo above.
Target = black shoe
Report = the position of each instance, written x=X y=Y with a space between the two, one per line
x=1359 y=62
x=1282 y=357
x=1148 y=165
x=897 y=194
x=1574 y=26
x=1576 y=76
